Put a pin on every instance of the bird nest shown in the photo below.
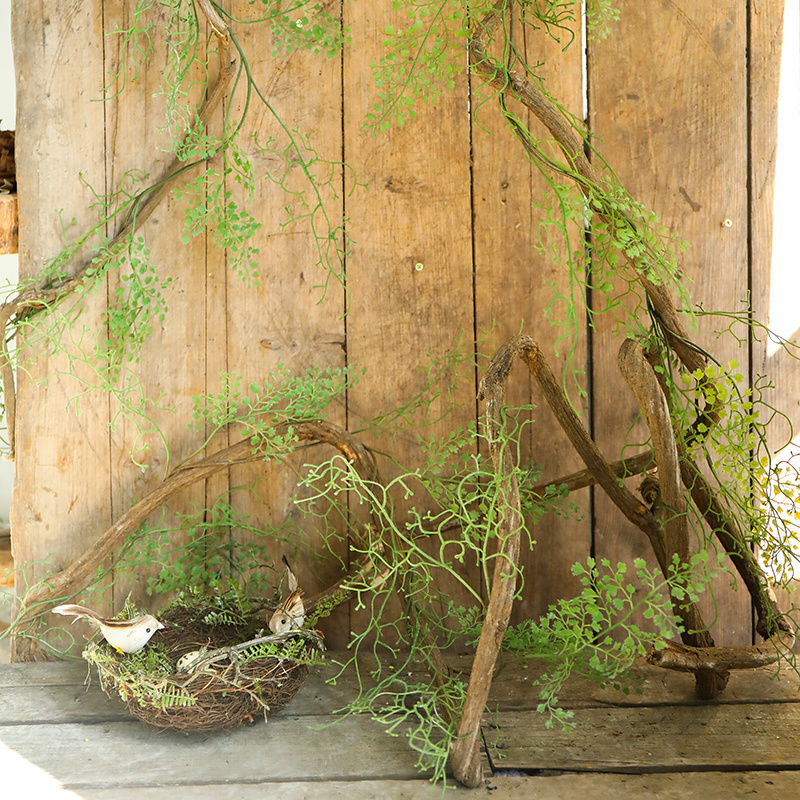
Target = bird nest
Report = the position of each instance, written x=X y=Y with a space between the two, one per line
x=208 y=669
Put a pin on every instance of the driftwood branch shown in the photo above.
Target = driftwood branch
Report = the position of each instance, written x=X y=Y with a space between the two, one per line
x=465 y=750
x=769 y=619
x=632 y=508
x=519 y=86
x=670 y=507
x=77 y=575
x=37 y=298
x=705 y=660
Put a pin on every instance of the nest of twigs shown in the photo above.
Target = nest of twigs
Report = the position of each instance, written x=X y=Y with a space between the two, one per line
x=235 y=674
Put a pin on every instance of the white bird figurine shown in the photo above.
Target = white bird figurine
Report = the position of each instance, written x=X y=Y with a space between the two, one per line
x=291 y=613
x=125 y=635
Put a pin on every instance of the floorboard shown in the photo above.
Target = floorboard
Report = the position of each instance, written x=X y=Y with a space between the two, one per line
x=65 y=739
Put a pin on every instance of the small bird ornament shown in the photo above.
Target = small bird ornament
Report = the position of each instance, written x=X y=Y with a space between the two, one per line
x=124 y=635
x=291 y=613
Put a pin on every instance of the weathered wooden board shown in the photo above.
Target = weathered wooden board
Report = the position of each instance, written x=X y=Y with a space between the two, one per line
x=9 y=224
x=519 y=289
x=88 y=755
x=53 y=730
x=692 y=786
x=667 y=97
x=62 y=487
x=780 y=365
x=674 y=739
x=288 y=321
x=409 y=272
x=442 y=246
x=172 y=362
x=63 y=686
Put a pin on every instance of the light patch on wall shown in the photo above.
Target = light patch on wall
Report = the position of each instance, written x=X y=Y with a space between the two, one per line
x=784 y=298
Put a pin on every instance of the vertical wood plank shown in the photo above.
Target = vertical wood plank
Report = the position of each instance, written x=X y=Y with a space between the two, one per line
x=171 y=364
x=515 y=288
x=61 y=490
x=284 y=322
x=409 y=273
x=667 y=98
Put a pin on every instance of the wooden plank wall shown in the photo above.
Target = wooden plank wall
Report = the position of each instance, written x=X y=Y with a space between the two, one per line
x=667 y=92
x=668 y=99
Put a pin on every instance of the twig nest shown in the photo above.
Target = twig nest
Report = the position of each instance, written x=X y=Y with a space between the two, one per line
x=209 y=669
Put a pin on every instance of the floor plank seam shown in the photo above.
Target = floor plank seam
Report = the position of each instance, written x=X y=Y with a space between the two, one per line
x=91 y=721
x=684 y=769
x=513 y=709
x=404 y=777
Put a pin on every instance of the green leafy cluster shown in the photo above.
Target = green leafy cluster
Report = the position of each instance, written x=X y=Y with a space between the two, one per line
x=305 y=26
x=138 y=303
x=209 y=204
x=448 y=534
x=261 y=408
x=421 y=57
x=215 y=551
x=594 y=633
x=135 y=46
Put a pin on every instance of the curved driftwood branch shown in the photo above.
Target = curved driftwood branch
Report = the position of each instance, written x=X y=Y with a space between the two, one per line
x=37 y=298
x=603 y=472
x=519 y=86
x=709 y=660
x=769 y=618
x=670 y=507
x=465 y=750
x=77 y=575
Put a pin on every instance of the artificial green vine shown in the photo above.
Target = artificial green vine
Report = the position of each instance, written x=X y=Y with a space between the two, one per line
x=455 y=497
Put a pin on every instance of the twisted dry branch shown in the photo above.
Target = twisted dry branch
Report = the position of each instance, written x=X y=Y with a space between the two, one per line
x=465 y=750
x=74 y=578
x=37 y=298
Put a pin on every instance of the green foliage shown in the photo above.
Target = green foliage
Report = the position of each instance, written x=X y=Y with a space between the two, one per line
x=210 y=551
x=449 y=534
x=185 y=74
x=435 y=524
x=139 y=301
x=211 y=205
x=135 y=46
x=304 y=26
x=422 y=56
x=600 y=17
x=259 y=409
x=594 y=633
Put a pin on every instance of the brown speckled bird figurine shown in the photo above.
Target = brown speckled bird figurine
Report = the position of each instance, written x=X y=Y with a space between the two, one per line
x=291 y=613
x=125 y=635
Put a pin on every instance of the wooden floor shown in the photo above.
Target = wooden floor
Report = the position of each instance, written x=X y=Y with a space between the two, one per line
x=58 y=739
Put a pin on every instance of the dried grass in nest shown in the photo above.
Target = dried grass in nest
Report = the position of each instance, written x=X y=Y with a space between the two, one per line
x=217 y=696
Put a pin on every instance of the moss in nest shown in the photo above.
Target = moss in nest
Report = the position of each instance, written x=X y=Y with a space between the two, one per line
x=229 y=682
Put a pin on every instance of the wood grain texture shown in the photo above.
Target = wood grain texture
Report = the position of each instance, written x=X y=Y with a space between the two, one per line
x=416 y=212
x=544 y=787
x=667 y=96
x=171 y=364
x=49 y=721
x=646 y=739
x=62 y=484
x=287 y=321
x=773 y=269
x=9 y=224
x=519 y=289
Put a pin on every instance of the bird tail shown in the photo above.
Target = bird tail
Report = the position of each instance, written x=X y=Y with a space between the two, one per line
x=79 y=612
x=291 y=577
